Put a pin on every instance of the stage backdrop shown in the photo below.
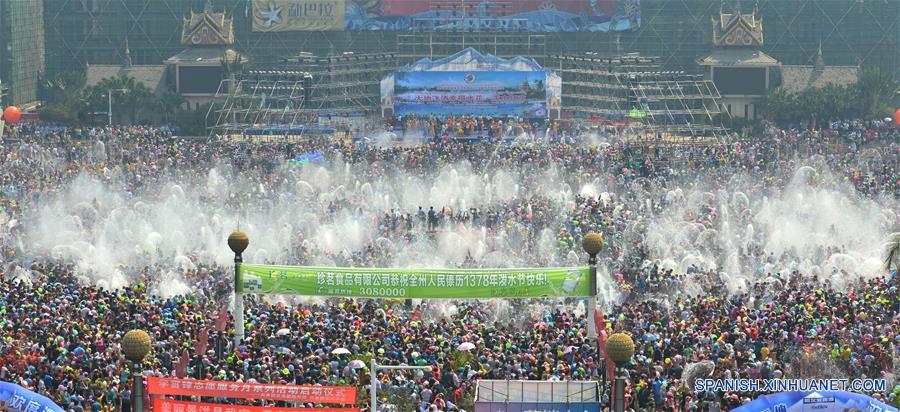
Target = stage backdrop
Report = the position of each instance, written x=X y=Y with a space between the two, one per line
x=498 y=93
x=541 y=16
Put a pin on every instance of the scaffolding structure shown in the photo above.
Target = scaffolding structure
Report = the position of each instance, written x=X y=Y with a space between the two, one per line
x=259 y=97
x=436 y=44
x=21 y=51
x=303 y=91
x=672 y=106
x=348 y=82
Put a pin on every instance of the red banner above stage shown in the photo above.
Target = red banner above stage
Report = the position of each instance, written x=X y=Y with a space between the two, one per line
x=241 y=390
x=169 y=405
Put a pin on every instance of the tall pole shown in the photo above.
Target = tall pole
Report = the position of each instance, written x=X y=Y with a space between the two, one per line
x=135 y=346
x=137 y=374
x=373 y=378
x=592 y=243
x=592 y=300
x=109 y=102
x=238 y=302
x=238 y=242
x=619 y=392
x=109 y=107
x=620 y=349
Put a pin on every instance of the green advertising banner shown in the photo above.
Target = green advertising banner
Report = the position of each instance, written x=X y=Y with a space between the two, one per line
x=415 y=283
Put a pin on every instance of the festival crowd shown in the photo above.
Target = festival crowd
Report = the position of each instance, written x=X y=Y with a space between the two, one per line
x=60 y=335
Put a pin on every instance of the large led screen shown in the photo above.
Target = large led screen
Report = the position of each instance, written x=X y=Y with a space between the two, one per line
x=497 y=94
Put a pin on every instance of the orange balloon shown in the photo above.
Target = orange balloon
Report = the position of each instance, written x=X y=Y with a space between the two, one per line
x=897 y=117
x=12 y=114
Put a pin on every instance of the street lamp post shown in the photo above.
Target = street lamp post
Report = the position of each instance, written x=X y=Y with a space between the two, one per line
x=238 y=242
x=619 y=348
x=109 y=107
x=592 y=243
x=374 y=379
x=136 y=345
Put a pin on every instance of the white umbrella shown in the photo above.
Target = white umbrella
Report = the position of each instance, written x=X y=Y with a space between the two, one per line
x=888 y=119
x=357 y=364
x=341 y=351
x=283 y=331
x=466 y=346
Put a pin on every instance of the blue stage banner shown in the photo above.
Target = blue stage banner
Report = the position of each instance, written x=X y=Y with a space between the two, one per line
x=497 y=94
x=16 y=398
x=823 y=401
x=537 y=406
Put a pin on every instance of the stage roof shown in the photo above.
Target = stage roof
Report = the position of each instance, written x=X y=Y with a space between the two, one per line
x=470 y=59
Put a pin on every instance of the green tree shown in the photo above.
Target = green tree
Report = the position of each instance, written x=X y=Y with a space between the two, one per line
x=91 y=100
x=169 y=104
x=63 y=94
x=192 y=122
x=876 y=89
x=831 y=101
x=64 y=88
x=892 y=253
x=231 y=63
x=127 y=95
x=58 y=114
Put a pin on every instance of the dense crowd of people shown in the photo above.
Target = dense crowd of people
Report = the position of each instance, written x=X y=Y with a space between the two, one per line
x=459 y=126
x=60 y=334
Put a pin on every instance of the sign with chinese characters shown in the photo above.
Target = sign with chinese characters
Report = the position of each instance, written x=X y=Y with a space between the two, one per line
x=298 y=15
x=241 y=390
x=416 y=283
x=488 y=93
x=16 y=398
x=536 y=16
x=169 y=405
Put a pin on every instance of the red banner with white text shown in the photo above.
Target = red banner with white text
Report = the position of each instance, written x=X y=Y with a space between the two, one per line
x=169 y=405
x=242 y=390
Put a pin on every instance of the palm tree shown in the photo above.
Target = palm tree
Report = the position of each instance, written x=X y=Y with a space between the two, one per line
x=139 y=96
x=876 y=87
x=63 y=88
x=91 y=100
x=115 y=85
x=128 y=93
x=892 y=254
x=169 y=104
x=63 y=96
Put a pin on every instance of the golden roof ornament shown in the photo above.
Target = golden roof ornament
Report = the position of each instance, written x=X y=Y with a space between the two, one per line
x=820 y=60
x=208 y=28
x=737 y=29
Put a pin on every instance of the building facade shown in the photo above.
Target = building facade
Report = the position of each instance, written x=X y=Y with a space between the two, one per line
x=852 y=32
x=744 y=74
x=21 y=51
x=741 y=71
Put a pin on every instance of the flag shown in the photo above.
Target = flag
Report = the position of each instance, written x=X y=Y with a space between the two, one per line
x=181 y=369
x=202 y=342
x=600 y=322
x=222 y=319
